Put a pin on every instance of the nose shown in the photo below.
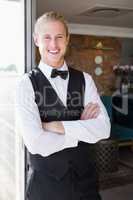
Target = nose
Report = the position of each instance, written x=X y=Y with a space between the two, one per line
x=53 y=43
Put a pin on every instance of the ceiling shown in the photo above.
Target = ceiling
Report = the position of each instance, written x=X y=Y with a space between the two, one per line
x=116 y=13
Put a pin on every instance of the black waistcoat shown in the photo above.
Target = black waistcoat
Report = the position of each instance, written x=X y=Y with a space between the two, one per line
x=51 y=108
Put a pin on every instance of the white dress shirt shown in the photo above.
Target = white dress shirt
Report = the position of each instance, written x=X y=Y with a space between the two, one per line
x=45 y=143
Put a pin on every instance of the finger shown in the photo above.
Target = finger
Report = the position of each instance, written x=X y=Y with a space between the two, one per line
x=94 y=111
x=86 y=109
x=95 y=114
x=90 y=111
x=43 y=125
x=86 y=113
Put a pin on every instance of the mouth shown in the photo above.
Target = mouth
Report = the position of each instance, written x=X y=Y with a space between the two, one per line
x=53 y=52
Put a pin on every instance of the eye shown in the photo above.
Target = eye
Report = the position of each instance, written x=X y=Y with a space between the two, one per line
x=59 y=36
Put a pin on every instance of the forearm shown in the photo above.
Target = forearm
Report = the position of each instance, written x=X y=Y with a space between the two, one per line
x=93 y=129
x=42 y=142
x=87 y=128
x=90 y=131
x=29 y=126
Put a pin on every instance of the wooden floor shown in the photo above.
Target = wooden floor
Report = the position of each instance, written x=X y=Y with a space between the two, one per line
x=118 y=193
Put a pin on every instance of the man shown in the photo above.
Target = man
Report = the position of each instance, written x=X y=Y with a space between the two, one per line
x=59 y=115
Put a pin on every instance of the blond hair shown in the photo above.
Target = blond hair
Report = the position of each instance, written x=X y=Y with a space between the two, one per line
x=50 y=16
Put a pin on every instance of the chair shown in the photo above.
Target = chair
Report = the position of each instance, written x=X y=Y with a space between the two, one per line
x=121 y=124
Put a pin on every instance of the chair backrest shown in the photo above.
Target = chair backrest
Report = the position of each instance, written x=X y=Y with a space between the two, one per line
x=122 y=113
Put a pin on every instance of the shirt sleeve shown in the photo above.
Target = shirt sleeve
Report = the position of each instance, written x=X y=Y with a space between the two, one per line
x=28 y=123
x=91 y=130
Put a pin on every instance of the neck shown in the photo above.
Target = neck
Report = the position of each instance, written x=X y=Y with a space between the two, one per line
x=54 y=65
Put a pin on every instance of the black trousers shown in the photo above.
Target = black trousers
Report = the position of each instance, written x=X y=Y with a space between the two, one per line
x=72 y=186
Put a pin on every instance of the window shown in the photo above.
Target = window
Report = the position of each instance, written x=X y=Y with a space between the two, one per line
x=11 y=67
x=11 y=36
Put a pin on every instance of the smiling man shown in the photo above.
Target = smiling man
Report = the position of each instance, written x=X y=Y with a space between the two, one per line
x=59 y=115
x=52 y=40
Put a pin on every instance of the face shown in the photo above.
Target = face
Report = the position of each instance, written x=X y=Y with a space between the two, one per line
x=52 y=42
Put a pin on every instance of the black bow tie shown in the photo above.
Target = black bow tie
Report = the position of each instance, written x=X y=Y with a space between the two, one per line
x=62 y=74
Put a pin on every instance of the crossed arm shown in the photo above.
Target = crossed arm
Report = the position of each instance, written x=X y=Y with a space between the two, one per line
x=93 y=125
x=90 y=111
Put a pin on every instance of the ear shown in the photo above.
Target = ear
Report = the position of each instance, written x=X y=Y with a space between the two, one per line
x=36 y=38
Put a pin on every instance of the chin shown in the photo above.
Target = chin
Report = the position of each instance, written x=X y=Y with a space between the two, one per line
x=56 y=63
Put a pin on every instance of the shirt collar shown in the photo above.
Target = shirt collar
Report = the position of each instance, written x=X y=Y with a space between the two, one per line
x=46 y=69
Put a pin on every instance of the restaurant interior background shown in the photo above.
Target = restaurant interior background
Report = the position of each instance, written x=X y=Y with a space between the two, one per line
x=102 y=45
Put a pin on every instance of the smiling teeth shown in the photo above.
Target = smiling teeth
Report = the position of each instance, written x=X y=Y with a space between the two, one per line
x=53 y=51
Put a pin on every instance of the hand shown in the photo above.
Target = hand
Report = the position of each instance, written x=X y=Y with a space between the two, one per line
x=55 y=126
x=90 y=111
